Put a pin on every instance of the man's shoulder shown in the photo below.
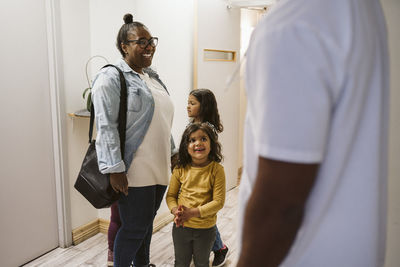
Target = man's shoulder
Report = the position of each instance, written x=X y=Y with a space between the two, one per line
x=308 y=15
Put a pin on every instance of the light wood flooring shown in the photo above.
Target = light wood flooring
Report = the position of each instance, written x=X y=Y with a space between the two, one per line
x=93 y=252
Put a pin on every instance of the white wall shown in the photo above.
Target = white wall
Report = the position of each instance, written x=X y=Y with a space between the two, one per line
x=106 y=18
x=219 y=28
x=75 y=35
x=392 y=13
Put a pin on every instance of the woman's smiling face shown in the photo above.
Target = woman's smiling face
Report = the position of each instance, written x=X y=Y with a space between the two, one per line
x=137 y=57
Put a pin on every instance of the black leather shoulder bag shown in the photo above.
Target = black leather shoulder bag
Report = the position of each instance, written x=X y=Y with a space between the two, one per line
x=91 y=183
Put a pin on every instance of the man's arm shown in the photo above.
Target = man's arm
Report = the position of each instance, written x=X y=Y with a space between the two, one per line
x=275 y=210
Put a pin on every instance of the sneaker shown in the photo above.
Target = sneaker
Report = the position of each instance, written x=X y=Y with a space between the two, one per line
x=220 y=256
x=110 y=258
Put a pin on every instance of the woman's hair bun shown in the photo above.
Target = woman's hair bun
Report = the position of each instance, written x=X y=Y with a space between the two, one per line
x=128 y=18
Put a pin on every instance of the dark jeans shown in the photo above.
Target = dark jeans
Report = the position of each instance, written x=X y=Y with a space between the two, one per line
x=191 y=241
x=115 y=224
x=137 y=212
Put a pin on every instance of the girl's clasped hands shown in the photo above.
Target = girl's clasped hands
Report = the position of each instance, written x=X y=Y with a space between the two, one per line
x=183 y=214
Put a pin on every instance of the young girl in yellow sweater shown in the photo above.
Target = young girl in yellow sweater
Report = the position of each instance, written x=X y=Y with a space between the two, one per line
x=196 y=193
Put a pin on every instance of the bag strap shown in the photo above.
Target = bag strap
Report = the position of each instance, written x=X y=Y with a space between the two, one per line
x=121 y=113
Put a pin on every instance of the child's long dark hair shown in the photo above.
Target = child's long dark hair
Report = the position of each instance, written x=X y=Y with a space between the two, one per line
x=208 y=107
x=215 y=147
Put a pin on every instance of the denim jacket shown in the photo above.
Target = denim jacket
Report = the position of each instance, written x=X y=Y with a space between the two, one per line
x=140 y=109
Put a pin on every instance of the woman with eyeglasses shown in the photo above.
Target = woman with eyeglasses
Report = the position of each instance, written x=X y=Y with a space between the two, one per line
x=142 y=177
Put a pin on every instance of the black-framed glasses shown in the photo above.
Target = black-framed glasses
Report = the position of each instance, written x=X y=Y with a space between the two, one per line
x=143 y=42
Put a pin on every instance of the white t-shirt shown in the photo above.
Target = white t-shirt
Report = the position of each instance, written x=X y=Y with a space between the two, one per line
x=317 y=88
x=151 y=164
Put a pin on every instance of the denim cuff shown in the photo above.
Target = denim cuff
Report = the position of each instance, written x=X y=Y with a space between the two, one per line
x=119 y=167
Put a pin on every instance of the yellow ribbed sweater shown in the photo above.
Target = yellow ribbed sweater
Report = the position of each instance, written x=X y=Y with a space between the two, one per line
x=198 y=187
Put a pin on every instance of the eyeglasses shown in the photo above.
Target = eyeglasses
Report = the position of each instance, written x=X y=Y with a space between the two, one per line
x=143 y=42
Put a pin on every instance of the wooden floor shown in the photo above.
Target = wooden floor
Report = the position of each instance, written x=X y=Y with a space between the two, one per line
x=93 y=252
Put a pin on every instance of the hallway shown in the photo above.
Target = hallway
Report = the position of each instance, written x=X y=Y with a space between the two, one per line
x=93 y=252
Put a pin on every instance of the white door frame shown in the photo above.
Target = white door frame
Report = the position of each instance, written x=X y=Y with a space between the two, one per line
x=58 y=122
